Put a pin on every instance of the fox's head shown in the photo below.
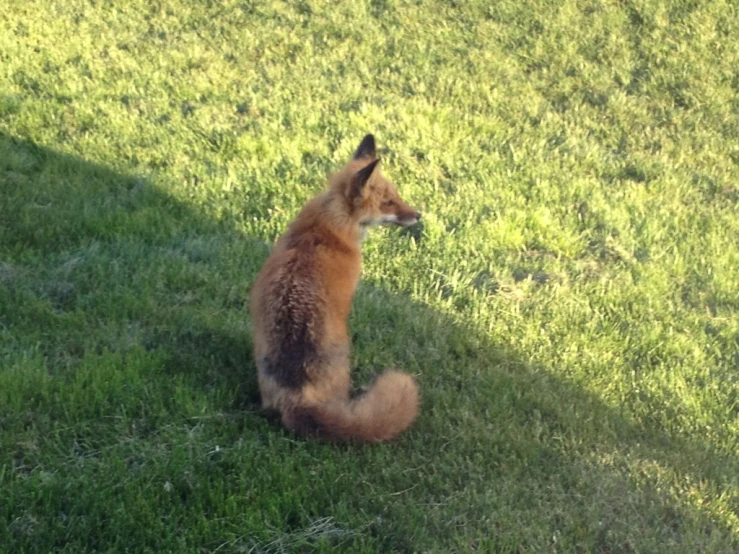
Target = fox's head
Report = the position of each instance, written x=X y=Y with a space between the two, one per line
x=370 y=197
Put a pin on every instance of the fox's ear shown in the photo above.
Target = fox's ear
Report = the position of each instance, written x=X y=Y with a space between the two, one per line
x=366 y=148
x=360 y=178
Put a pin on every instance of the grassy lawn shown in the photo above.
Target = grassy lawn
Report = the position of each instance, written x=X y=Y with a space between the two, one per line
x=569 y=305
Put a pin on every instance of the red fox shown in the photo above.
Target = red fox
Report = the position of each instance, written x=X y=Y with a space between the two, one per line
x=300 y=303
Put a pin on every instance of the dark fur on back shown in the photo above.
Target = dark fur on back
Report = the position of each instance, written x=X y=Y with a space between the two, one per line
x=296 y=324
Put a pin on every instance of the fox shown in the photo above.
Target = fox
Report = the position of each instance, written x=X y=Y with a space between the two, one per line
x=300 y=303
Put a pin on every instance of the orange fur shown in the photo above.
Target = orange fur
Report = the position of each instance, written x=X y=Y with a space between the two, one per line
x=300 y=303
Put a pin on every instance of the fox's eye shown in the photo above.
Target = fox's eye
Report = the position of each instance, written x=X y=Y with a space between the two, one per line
x=388 y=203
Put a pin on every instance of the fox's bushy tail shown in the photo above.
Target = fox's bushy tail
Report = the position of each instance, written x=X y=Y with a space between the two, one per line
x=387 y=409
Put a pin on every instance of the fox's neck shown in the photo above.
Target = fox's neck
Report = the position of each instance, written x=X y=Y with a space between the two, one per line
x=332 y=213
x=324 y=215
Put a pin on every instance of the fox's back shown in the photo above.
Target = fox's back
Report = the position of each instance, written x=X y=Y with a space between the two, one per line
x=301 y=300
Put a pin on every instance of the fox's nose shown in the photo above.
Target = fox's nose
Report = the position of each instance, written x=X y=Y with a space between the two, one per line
x=418 y=215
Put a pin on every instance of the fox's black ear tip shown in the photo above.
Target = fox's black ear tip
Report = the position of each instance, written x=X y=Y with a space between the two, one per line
x=366 y=147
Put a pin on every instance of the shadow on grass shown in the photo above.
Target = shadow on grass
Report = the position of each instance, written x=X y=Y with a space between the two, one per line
x=123 y=321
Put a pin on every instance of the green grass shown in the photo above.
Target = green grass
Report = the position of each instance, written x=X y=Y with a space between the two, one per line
x=569 y=304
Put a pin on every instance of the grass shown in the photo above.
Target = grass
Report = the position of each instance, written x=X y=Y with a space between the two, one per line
x=569 y=304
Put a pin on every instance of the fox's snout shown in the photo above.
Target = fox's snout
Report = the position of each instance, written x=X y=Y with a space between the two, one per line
x=401 y=215
x=395 y=210
x=409 y=219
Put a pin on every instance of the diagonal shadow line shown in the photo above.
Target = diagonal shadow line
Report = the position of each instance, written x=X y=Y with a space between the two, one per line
x=66 y=214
